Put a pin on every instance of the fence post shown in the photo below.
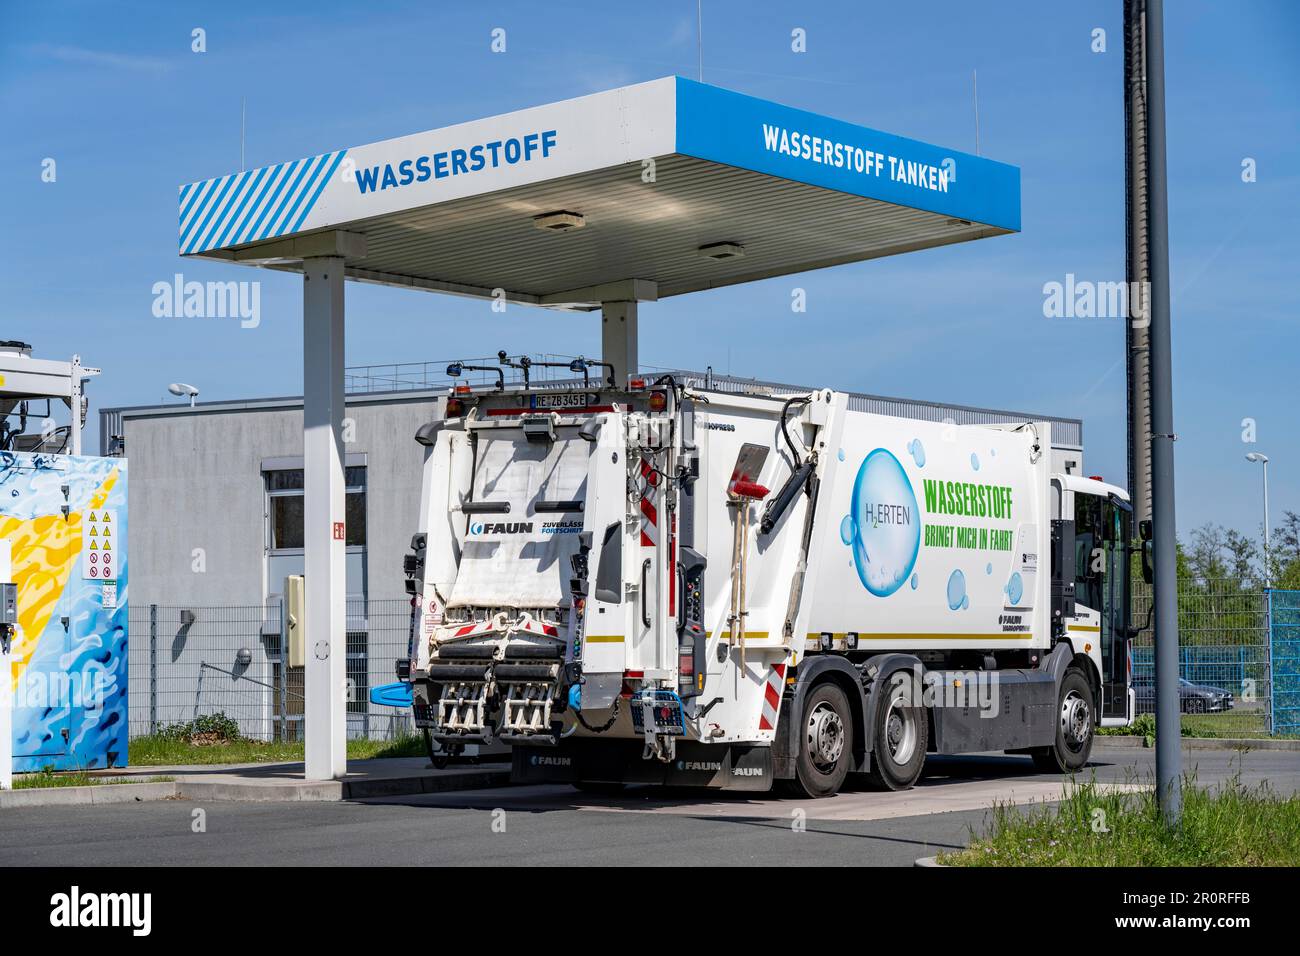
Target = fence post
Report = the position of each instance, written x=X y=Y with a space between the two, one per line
x=284 y=670
x=1272 y=700
x=153 y=669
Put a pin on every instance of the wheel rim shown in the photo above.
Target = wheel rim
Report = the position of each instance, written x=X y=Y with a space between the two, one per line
x=900 y=731
x=825 y=737
x=1076 y=721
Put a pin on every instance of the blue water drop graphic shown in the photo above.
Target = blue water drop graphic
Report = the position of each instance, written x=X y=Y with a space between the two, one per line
x=974 y=461
x=917 y=451
x=1015 y=588
x=956 y=590
x=988 y=569
x=965 y=602
x=886 y=524
x=913 y=581
x=993 y=453
x=840 y=454
x=847 y=529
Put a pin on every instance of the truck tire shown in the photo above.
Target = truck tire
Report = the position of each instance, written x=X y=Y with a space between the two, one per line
x=1075 y=727
x=438 y=756
x=825 y=743
x=901 y=735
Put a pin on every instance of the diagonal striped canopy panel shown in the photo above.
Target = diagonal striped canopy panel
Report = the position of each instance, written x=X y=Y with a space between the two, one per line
x=253 y=206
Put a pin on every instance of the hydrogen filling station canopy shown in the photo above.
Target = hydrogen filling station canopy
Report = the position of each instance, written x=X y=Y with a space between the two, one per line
x=599 y=202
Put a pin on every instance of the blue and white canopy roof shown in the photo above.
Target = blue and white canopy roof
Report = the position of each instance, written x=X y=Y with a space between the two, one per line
x=653 y=172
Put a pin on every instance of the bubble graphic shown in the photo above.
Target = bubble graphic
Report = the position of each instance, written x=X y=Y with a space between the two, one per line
x=847 y=529
x=993 y=453
x=914 y=581
x=840 y=454
x=917 y=451
x=956 y=590
x=886 y=529
x=1015 y=588
x=988 y=569
x=965 y=601
x=974 y=461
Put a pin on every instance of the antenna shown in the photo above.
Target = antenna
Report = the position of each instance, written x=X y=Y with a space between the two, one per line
x=975 y=93
x=699 y=34
x=242 y=114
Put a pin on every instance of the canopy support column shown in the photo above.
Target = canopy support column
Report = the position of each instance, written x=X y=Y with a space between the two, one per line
x=324 y=534
x=618 y=336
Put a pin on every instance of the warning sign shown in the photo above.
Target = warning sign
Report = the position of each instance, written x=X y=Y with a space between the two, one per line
x=102 y=545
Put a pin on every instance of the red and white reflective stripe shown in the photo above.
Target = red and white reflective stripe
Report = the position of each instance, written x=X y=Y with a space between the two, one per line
x=649 y=511
x=772 y=697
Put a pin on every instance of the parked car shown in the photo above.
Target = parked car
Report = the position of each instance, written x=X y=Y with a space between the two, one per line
x=1192 y=698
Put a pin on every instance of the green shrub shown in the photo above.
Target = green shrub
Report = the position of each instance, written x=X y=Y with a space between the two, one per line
x=209 y=728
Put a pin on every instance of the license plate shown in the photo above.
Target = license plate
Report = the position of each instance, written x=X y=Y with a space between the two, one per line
x=562 y=400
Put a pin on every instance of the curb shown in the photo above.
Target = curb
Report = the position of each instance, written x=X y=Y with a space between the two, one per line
x=1209 y=743
x=927 y=861
x=320 y=791
x=85 y=796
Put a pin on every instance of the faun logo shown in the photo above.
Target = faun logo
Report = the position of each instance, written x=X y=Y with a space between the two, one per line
x=712 y=766
x=747 y=771
x=542 y=761
x=507 y=527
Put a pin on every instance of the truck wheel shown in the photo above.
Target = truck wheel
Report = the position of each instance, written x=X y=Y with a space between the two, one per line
x=901 y=736
x=438 y=757
x=826 y=744
x=1075 y=725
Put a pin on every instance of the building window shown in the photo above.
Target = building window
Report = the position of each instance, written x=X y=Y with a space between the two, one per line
x=284 y=489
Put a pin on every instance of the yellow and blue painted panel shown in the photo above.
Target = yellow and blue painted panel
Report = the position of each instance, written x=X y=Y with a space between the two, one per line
x=69 y=674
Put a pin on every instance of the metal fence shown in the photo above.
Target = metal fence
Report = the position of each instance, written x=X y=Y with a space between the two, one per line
x=1223 y=637
x=189 y=662
x=1284 y=655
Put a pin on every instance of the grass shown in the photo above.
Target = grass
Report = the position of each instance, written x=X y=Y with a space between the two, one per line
x=1231 y=825
x=1191 y=725
x=162 y=750
x=75 y=778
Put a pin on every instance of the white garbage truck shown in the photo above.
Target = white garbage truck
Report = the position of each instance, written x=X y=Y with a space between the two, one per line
x=665 y=582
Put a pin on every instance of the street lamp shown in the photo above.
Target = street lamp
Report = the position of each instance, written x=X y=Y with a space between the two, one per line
x=183 y=390
x=1268 y=564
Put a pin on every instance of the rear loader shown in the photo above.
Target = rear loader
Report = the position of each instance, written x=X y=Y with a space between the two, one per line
x=655 y=583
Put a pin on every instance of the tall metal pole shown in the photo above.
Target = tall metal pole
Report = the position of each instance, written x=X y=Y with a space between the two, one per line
x=1268 y=559
x=1137 y=329
x=1165 y=590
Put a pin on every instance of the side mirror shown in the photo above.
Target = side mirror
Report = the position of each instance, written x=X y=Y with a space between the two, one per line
x=1148 y=568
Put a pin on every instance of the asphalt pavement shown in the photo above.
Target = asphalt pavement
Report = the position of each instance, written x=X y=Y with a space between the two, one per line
x=558 y=826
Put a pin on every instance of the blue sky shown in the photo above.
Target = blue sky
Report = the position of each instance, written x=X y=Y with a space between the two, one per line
x=114 y=94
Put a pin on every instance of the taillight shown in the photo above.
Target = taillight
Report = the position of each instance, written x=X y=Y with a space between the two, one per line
x=635 y=384
x=455 y=408
x=658 y=401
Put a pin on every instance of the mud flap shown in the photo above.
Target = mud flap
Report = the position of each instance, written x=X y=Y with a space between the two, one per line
x=720 y=766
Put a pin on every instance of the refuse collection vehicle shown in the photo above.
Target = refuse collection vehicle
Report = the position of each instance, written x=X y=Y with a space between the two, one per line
x=670 y=584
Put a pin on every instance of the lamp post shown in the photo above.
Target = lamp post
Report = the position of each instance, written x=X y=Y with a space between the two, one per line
x=1268 y=562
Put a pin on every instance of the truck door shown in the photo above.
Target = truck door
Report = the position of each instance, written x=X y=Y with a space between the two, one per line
x=1117 y=516
x=1102 y=528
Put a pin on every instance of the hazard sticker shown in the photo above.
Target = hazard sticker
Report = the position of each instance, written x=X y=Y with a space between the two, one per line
x=102 y=543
